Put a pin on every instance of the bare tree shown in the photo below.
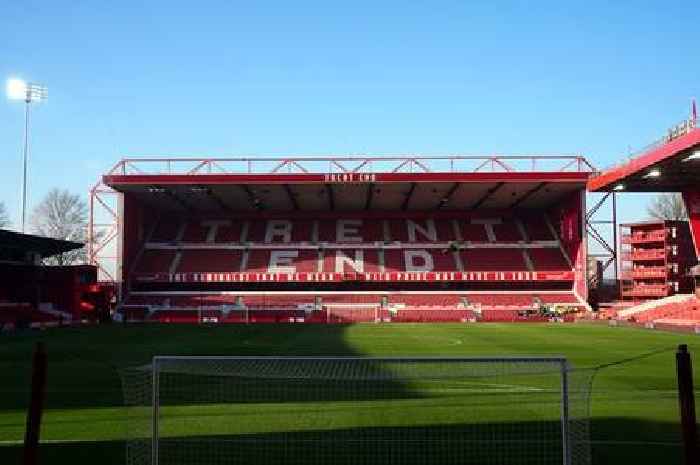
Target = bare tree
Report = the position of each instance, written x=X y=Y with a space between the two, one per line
x=4 y=217
x=62 y=215
x=667 y=207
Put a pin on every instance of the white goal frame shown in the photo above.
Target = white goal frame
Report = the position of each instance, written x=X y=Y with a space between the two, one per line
x=562 y=361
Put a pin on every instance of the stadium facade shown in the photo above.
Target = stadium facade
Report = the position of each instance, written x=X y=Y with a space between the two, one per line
x=338 y=239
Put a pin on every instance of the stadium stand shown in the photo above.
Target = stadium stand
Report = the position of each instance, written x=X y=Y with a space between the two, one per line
x=681 y=310
x=33 y=294
x=492 y=245
x=234 y=245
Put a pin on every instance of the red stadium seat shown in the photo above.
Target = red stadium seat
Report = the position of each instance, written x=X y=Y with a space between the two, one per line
x=507 y=232
x=213 y=251
x=507 y=256
x=548 y=259
x=155 y=261
x=193 y=261
x=537 y=229
x=166 y=230
x=493 y=259
x=685 y=312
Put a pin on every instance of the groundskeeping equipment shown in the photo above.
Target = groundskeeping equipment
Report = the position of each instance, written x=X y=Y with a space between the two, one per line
x=357 y=410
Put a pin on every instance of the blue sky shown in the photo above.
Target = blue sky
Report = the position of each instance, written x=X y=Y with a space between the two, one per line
x=314 y=78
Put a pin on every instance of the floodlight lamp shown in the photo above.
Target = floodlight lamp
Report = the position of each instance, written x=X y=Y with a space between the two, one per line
x=37 y=92
x=16 y=89
x=694 y=156
x=619 y=187
x=655 y=173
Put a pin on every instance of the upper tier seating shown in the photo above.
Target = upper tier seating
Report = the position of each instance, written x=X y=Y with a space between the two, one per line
x=350 y=230
x=166 y=231
x=537 y=229
x=409 y=259
x=351 y=245
x=474 y=232
x=194 y=261
x=276 y=231
x=507 y=231
x=353 y=230
x=155 y=261
x=347 y=259
x=548 y=259
x=264 y=261
x=420 y=230
x=493 y=259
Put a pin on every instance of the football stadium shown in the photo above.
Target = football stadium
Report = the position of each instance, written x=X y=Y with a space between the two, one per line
x=372 y=240
x=349 y=233
x=358 y=310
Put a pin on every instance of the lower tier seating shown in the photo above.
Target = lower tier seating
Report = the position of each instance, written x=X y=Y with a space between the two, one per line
x=341 y=307
x=433 y=315
x=683 y=312
x=510 y=316
x=282 y=299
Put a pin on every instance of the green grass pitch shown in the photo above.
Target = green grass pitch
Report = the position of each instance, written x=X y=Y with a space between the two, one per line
x=634 y=405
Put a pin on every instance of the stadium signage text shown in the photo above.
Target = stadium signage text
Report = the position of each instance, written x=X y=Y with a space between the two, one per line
x=680 y=129
x=508 y=276
x=349 y=177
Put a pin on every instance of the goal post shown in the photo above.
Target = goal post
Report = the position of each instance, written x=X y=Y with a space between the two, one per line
x=357 y=410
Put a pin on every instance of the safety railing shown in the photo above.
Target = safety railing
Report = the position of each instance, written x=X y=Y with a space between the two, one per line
x=353 y=164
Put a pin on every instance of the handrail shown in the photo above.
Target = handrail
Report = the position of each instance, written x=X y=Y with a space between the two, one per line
x=677 y=130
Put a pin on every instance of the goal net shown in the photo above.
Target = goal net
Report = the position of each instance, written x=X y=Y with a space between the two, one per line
x=357 y=411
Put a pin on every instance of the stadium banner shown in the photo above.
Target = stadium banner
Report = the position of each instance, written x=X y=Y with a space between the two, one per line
x=506 y=276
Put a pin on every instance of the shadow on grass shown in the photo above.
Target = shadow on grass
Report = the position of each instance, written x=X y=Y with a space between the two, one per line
x=84 y=364
x=456 y=444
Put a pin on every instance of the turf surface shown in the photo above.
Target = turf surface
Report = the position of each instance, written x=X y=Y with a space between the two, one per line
x=634 y=405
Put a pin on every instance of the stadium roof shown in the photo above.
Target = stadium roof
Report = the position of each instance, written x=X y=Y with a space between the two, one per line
x=671 y=165
x=313 y=184
x=45 y=246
